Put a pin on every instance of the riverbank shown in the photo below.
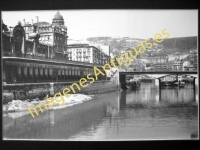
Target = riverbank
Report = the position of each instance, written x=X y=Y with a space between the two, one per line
x=32 y=91
x=18 y=108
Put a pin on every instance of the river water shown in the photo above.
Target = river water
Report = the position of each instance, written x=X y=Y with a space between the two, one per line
x=144 y=114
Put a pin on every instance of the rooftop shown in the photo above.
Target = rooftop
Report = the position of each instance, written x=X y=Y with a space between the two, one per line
x=58 y=16
x=42 y=23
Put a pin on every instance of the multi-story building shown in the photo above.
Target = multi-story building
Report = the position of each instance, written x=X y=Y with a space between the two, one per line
x=86 y=53
x=103 y=48
x=136 y=65
x=176 y=55
x=54 y=34
x=158 y=59
x=162 y=66
x=155 y=62
x=177 y=65
x=192 y=61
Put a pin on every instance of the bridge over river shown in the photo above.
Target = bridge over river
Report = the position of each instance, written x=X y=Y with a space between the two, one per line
x=157 y=75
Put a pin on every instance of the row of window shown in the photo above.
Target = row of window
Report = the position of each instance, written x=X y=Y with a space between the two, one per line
x=79 y=50
x=83 y=49
x=78 y=54
x=60 y=47
x=95 y=53
x=59 y=30
x=46 y=38
x=58 y=38
x=45 y=29
x=29 y=28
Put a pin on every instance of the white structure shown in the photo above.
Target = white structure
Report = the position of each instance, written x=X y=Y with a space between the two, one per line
x=86 y=53
x=103 y=48
x=175 y=56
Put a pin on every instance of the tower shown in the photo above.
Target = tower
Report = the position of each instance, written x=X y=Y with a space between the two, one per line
x=58 y=20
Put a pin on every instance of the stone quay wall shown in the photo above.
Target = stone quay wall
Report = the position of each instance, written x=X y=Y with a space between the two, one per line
x=29 y=91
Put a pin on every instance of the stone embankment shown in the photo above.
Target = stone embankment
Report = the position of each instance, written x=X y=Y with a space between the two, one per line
x=38 y=91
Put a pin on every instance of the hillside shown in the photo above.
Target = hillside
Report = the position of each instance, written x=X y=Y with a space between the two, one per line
x=171 y=45
x=182 y=45
x=97 y=39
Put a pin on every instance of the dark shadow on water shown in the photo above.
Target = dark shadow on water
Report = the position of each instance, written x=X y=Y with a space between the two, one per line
x=123 y=99
x=166 y=97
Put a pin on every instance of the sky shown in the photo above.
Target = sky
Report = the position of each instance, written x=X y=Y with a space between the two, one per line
x=142 y=24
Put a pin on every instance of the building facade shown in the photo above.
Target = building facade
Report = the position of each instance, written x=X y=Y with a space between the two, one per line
x=87 y=53
x=38 y=52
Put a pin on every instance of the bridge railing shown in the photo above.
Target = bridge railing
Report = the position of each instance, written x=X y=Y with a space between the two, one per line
x=171 y=70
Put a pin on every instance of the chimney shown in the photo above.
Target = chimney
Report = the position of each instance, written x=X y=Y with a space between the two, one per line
x=24 y=22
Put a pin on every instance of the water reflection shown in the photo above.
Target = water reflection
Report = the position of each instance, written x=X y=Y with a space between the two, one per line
x=52 y=117
x=136 y=114
x=158 y=96
x=196 y=97
x=165 y=97
x=123 y=99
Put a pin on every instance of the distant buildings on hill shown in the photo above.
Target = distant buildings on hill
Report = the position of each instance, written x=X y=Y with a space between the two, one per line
x=164 y=62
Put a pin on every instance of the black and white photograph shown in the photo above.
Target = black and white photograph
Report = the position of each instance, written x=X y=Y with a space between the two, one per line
x=100 y=74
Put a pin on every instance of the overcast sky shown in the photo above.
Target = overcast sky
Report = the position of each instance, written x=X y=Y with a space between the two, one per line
x=143 y=24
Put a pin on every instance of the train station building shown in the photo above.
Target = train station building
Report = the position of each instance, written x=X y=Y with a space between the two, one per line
x=38 y=52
